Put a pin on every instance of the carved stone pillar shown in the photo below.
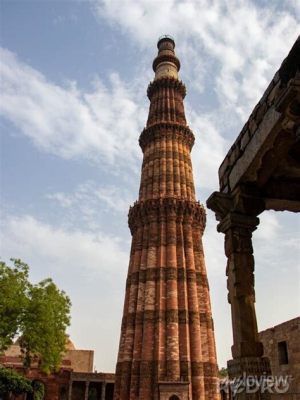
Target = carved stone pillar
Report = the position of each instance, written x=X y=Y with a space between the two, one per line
x=248 y=365
x=70 y=390
x=103 y=387
x=86 y=392
x=238 y=230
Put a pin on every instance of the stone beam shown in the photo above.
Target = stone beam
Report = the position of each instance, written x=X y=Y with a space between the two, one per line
x=282 y=205
x=255 y=146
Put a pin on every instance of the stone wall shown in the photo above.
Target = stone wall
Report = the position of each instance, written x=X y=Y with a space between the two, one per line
x=76 y=360
x=81 y=360
x=282 y=347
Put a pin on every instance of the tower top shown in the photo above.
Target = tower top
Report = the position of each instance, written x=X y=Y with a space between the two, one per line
x=166 y=64
x=165 y=38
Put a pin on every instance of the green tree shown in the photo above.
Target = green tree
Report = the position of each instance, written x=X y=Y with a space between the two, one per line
x=223 y=372
x=44 y=326
x=38 y=390
x=14 y=287
x=39 y=314
x=12 y=382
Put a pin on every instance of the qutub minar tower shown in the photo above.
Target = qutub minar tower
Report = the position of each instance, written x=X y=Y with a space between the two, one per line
x=167 y=347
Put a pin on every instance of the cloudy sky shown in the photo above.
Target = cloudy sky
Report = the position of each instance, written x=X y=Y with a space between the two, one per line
x=73 y=102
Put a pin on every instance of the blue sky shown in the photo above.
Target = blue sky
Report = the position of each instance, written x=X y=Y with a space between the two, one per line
x=73 y=102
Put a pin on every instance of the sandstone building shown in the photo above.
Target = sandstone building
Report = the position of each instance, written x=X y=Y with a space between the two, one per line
x=167 y=347
x=75 y=379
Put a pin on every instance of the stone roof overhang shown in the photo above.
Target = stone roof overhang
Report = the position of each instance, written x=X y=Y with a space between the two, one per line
x=265 y=157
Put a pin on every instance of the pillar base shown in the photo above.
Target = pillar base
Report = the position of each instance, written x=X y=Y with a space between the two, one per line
x=249 y=378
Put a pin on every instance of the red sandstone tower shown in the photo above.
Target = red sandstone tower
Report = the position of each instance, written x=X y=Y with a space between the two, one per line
x=167 y=346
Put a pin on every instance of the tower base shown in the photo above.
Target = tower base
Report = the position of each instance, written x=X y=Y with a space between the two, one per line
x=180 y=390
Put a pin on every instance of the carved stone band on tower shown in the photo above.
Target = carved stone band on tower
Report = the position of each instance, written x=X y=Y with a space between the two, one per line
x=167 y=345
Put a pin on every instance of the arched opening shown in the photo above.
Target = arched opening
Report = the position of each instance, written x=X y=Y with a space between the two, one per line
x=174 y=397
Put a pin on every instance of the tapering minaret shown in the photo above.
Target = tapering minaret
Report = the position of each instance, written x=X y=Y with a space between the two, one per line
x=167 y=345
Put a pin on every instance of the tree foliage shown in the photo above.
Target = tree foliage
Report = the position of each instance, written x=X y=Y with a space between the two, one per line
x=38 y=390
x=38 y=314
x=223 y=372
x=12 y=382
x=14 y=288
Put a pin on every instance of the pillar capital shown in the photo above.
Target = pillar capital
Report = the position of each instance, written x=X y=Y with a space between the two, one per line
x=235 y=220
x=244 y=200
x=220 y=203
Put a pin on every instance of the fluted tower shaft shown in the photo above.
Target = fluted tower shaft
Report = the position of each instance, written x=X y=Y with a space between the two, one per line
x=167 y=340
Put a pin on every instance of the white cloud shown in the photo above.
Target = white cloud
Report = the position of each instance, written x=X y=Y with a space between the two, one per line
x=277 y=241
x=245 y=42
x=62 y=199
x=277 y=273
x=101 y=125
x=233 y=48
x=294 y=5
x=91 y=204
x=30 y=239
x=268 y=227
x=114 y=200
x=208 y=152
x=236 y=45
x=229 y=53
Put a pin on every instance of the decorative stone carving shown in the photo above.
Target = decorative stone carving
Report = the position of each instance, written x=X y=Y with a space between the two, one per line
x=170 y=131
x=164 y=210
